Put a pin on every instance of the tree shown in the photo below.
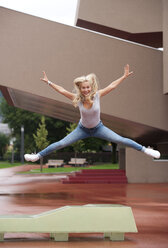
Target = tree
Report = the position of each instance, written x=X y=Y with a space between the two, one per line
x=94 y=144
x=16 y=117
x=41 y=138
x=4 y=142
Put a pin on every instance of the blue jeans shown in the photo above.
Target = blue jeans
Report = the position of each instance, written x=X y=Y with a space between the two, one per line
x=81 y=132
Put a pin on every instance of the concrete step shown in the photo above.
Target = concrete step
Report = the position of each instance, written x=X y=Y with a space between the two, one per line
x=97 y=176
x=94 y=181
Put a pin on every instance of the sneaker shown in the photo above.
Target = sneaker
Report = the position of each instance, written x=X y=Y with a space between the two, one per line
x=152 y=153
x=31 y=157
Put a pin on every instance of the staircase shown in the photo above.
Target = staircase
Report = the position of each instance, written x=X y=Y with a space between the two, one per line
x=97 y=176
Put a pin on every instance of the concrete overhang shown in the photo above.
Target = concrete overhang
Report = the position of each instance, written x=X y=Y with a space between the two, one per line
x=67 y=112
x=139 y=21
x=40 y=104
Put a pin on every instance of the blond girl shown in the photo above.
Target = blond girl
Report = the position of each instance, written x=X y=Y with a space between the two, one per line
x=87 y=98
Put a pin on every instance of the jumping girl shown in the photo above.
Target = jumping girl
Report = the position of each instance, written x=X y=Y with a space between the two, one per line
x=87 y=98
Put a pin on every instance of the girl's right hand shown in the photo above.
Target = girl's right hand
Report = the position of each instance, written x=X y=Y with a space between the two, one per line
x=44 y=79
x=127 y=72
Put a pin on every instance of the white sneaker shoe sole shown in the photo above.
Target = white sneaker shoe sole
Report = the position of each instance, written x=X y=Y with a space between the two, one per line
x=152 y=153
x=31 y=157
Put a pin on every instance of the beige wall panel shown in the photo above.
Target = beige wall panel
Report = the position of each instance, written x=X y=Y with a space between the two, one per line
x=135 y=16
x=29 y=45
x=143 y=169
x=165 y=46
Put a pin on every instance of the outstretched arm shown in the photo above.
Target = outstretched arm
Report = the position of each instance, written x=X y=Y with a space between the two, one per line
x=58 y=88
x=115 y=83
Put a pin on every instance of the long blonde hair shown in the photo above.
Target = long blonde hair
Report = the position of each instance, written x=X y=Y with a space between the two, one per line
x=92 y=79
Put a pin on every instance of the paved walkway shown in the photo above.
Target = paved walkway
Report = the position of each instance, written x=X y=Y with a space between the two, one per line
x=12 y=177
x=33 y=194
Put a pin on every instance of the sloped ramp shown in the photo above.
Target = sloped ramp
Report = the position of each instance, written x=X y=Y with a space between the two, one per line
x=112 y=220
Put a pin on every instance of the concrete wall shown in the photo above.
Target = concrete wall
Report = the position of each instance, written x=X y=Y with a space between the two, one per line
x=143 y=169
x=136 y=16
x=30 y=45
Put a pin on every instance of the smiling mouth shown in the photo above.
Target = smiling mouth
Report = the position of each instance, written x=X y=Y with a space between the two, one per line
x=86 y=93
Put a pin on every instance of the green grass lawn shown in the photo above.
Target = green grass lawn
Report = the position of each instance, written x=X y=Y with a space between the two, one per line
x=6 y=164
x=70 y=169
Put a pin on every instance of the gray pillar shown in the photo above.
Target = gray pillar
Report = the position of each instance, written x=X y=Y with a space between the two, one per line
x=121 y=156
x=22 y=145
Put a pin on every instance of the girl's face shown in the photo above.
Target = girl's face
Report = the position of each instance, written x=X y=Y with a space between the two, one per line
x=85 y=88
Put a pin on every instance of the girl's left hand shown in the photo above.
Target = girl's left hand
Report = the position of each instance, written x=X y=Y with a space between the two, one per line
x=126 y=71
x=44 y=79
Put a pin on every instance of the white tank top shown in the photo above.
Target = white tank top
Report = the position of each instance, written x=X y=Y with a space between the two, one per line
x=90 y=117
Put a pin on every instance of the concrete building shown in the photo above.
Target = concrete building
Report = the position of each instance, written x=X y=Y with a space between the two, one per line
x=4 y=128
x=108 y=35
